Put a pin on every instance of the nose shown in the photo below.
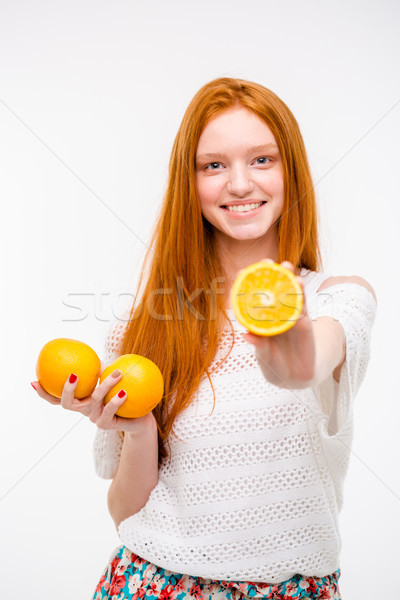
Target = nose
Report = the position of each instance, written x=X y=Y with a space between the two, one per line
x=240 y=182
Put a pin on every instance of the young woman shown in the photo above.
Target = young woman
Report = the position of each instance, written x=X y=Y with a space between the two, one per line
x=231 y=487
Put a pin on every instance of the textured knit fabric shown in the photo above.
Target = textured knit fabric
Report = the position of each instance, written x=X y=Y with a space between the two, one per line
x=254 y=487
x=129 y=577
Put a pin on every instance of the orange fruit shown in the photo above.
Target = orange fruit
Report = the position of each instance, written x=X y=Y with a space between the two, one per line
x=267 y=298
x=142 y=381
x=61 y=357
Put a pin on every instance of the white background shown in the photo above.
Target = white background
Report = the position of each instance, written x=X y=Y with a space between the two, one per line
x=91 y=97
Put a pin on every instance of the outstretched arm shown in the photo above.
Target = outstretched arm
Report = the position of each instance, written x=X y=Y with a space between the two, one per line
x=309 y=352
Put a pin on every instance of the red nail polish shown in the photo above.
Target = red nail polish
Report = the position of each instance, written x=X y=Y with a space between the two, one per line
x=73 y=378
x=121 y=394
x=33 y=387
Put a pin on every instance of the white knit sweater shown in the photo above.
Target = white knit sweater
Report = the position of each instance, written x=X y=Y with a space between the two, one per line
x=254 y=487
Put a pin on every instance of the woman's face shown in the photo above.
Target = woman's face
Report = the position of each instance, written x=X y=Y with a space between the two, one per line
x=238 y=165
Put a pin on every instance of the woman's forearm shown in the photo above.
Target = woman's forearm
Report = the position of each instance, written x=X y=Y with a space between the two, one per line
x=137 y=473
x=330 y=349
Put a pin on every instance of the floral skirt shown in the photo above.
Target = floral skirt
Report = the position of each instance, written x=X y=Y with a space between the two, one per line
x=129 y=577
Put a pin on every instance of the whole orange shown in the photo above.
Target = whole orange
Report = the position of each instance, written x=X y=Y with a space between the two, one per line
x=61 y=357
x=142 y=381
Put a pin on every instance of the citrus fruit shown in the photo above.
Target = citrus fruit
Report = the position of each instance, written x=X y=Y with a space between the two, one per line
x=61 y=357
x=267 y=298
x=142 y=381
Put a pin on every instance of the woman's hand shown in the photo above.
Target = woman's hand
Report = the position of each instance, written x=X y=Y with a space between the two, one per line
x=93 y=406
x=288 y=359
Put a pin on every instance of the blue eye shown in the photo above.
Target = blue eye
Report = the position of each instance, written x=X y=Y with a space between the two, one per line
x=213 y=164
x=265 y=159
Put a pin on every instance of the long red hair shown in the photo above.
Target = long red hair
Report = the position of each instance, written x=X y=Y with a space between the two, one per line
x=176 y=319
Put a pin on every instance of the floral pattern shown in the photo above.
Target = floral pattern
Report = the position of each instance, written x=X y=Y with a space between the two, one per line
x=129 y=577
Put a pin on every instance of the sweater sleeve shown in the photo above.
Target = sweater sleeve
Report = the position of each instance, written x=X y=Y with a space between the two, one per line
x=107 y=445
x=355 y=308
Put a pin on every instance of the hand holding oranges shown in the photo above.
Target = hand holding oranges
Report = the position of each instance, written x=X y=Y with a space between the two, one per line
x=65 y=366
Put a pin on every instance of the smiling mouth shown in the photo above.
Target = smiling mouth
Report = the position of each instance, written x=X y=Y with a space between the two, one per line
x=243 y=207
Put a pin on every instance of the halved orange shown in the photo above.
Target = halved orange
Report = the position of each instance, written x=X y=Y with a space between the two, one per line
x=267 y=298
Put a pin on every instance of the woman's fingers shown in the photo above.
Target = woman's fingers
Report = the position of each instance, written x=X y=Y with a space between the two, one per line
x=75 y=404
x=288 y=265
x=86 y=405
x=104 y=416
x=98 y=407
x=259 y=341
x=68 y=393
x=106 y=385
x=68 y=400
x=43 y=394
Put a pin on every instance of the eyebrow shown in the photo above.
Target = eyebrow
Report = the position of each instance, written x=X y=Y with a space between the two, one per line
x=262 y=148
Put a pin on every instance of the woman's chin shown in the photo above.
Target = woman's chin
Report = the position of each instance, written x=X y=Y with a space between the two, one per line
x=244 y=233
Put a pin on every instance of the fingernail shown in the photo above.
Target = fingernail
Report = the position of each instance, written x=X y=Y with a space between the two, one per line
x=33 y=386
x=73 y=378
x=116 y=373
x=121 y=394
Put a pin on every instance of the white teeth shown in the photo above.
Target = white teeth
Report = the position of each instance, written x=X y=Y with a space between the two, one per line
x=243 y=207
